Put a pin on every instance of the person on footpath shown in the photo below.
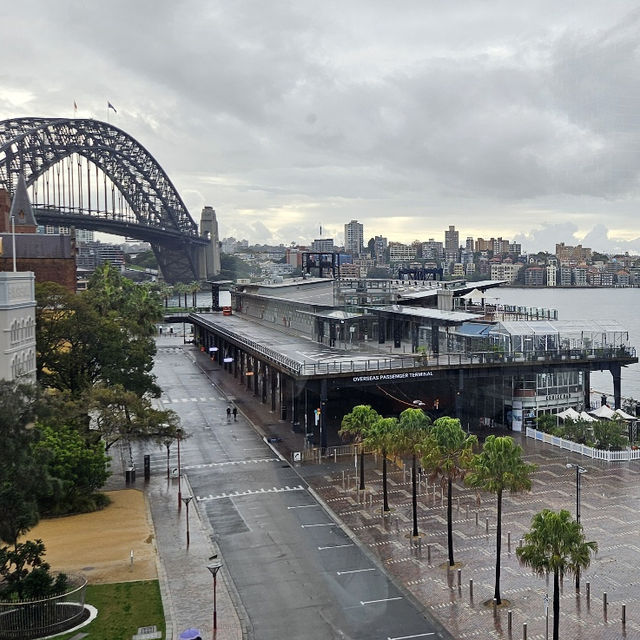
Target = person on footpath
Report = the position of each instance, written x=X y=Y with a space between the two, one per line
x=228 y=414
x=235 y=414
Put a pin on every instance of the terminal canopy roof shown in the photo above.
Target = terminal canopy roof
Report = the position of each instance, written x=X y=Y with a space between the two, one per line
x=544 y=335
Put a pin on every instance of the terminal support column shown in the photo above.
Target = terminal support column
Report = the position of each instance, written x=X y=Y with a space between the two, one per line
x=587 y=389
x=274 y=379
x=616 y=374
x=263 y=394
x=323 y=414
x=459 y=392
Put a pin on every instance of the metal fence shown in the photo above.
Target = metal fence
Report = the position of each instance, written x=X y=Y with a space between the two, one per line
x=25 y=619
x=590 y=452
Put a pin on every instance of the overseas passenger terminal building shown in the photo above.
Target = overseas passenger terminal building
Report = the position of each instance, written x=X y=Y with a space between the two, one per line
x=313 y=348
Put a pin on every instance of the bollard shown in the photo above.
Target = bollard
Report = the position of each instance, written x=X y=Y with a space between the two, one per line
x=131 y=559
x=335 y=456
x=420 y=546
x=604 y=601
x=428 y=553
x=476 y=518
x=520 y=542
x=458 y=505
x=509 y=541
x=588 y=591
x=486 y=523
x=471 y=589
x=524 y=631
x=509 y=620
x=467 y=512
x=495 y=605
x=343 y=479
x=459 y=578
x=624 y=614
x=397 y=526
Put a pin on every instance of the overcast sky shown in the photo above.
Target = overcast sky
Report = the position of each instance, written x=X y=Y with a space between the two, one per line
x=513 y=119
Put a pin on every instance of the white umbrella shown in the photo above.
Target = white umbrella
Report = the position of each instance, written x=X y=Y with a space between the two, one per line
x=585 y=417
x=603 y=412
x=624 y=415
x=569 y=414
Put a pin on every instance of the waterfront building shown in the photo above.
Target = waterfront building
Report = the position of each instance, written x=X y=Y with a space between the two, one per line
x=379 y=248
x=567 y=253
x=382 y=342
x=579 y=276
x=534 y=277
x=505 y=271
x=565 y=276
x=551 y=273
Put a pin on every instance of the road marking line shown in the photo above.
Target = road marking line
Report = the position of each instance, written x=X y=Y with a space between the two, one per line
x=321 y=524
x=222 y=464
x=344 y=573
x=363 y=602
x=303 y=506
x=249 y=492
x=336 y=546
x=417 y=635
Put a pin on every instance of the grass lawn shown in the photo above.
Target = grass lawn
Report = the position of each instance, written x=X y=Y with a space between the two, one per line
x=122 y=608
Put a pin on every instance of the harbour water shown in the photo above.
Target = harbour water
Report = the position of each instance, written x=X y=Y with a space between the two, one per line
x=622 y=305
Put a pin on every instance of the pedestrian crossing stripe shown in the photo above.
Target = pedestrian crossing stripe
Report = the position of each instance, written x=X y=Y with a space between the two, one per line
x=230 y=462
x=249 y=492
x=166 y=400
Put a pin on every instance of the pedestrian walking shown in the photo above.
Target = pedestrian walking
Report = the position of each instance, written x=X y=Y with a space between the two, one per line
x=228 y=414
x=235 y=414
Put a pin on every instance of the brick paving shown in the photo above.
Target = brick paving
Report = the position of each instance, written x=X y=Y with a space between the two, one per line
x=610 y=499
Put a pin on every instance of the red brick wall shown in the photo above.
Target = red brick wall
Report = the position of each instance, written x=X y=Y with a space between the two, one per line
x=60 y=270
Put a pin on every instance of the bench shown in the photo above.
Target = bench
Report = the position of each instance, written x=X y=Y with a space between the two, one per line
x=148 y=633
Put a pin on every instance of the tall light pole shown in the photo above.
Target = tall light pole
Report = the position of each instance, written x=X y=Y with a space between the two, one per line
x=167 y=443
x=13 y=240
x=579 y=471
x=186 y=501
x=179 y=437
x=214 y=567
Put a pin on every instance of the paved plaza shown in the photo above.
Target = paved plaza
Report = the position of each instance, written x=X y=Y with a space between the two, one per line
x=610 y=503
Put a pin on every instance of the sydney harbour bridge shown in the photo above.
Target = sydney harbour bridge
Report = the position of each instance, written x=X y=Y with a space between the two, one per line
x=91 y=175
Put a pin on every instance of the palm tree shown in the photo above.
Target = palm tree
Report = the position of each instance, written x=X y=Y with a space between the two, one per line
x=448 y=453
x=194 y=287
x=556 y=544
x=380 y=438
x=412 y=431
x=497 y=468
x=356 y=425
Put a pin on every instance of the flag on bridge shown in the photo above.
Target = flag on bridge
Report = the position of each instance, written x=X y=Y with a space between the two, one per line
x=110 y=106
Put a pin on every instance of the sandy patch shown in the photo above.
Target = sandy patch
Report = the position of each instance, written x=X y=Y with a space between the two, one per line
x=99 y=544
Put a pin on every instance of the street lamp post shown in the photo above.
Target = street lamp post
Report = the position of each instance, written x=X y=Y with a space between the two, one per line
x=179 y=437
x=579 y=471
x=214 y=568
x=186 y=501
x=167 y=443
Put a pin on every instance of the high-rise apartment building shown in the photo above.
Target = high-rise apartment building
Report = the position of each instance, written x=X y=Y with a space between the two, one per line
x=451 y=244
x=353 y=238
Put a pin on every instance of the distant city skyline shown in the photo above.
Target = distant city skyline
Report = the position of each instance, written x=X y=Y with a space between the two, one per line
x=519 y=122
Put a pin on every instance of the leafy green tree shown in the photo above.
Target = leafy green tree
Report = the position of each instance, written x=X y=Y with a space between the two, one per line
x=355 y=425
x=25 y=575
x=448 y=453
x=79 y=467
x=610 y=434
x=380 y=438
x=499 y=467
x=102 y=335
x=23 y=480
x=556 y=544
x=411 y=434
x=118 y=414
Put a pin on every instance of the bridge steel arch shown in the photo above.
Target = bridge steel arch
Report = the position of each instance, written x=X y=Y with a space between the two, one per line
x=32 y=146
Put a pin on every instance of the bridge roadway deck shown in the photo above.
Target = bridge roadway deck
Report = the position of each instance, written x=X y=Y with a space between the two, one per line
x=303 y=357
